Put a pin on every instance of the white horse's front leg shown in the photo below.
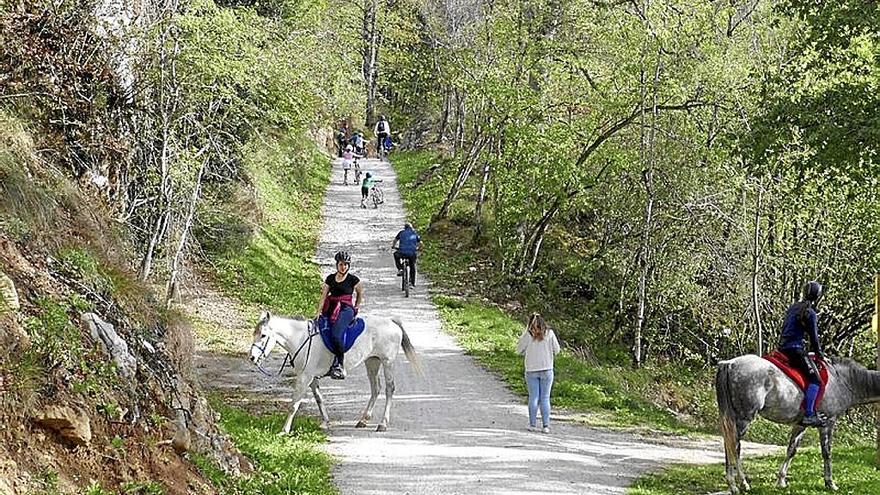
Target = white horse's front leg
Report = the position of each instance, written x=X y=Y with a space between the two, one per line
x=300 y=385
x=372 y=364
x=319 y=400
x=825 y=442
x=797 y=434
x=388 y=368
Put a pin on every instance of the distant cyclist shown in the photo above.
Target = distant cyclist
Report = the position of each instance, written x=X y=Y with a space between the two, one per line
x=408 y=243
x=383 y=132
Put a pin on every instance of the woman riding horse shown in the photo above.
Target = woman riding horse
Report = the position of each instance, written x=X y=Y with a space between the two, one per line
x=337 y=306
x=800 y=321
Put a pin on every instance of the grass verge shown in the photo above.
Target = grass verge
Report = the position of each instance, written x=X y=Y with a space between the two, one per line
x=854 y=472
x=284 y=464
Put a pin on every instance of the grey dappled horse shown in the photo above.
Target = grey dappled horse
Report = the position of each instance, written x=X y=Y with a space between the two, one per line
x=377 y=346
x=749 y=385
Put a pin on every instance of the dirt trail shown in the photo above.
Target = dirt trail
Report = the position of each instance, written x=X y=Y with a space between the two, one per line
x=457 y=429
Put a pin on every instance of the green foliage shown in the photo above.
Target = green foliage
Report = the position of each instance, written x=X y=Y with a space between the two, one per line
x=95 y=488
x=854 y=473
x=57 y=347
x=275 y=269
x=285 y=464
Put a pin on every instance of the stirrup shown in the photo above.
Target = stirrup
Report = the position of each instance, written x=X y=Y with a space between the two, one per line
x=818 y=420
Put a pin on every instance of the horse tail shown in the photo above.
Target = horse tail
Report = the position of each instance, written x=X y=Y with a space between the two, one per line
x=408 y=348
x=726 y=411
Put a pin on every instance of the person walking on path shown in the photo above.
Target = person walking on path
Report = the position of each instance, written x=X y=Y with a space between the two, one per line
x=539 y=346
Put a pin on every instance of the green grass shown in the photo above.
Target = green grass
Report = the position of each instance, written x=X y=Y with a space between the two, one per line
x=284 y=464
x=854 y=473
x=274 y=269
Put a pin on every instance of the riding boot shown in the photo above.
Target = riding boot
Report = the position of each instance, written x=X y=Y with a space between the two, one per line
x=811 y=418
x=337 y=372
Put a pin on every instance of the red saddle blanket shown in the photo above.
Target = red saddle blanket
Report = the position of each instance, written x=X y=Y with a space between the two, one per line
x=782 y=362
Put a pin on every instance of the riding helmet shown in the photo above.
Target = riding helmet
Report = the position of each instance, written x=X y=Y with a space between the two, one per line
x=812 y=291
x=343 y=256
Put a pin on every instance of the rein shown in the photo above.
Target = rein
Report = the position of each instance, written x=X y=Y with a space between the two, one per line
x=312 y=331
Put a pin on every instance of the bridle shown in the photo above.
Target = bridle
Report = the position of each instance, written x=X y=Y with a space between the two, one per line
x=311 y=331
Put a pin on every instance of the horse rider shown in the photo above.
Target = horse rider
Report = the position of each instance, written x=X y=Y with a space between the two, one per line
x=801 y=321
x=337 y=306
x=407 y=244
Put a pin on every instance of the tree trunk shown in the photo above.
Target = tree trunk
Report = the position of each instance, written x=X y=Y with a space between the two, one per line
x=172 y=289
x=444 y=117
x=459 y=122
x=643 y=267
x=648 y=180
x=464 y=171
x=756 y=239
x=481 y=197
x=370 y=39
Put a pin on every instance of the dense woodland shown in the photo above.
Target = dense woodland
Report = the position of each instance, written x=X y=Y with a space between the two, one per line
x=674 y=169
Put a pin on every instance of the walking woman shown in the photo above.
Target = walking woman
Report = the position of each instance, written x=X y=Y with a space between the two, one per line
x=539 y=345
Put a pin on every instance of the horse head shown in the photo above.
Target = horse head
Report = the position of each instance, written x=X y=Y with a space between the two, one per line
x=264 y=339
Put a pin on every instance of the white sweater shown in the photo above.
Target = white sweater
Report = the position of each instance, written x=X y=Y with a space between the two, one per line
x=539 y=353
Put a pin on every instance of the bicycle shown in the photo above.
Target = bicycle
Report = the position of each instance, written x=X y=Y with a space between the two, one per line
x=377 y=195
x=384 y=147
x=405 y=282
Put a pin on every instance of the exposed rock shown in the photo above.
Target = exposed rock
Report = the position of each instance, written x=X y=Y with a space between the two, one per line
x=112 y=343
x=181 y=440
x=72 y=424
x=8 y=295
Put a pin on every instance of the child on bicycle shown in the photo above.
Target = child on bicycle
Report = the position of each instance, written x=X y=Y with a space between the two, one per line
x=366 y=185
x=348 y=157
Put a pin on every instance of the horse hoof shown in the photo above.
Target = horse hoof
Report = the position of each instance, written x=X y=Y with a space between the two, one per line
x=782 y=483
x=325 y=426
x=830 y=485
x=381 y=428
x=361 y=424
x=282 y=433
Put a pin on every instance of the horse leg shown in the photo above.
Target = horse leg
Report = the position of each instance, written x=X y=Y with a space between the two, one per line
x=825 y=442
x=388 y=368
x=299 y=389
x=319 y=400
x=741 y=426
x=797 y=434
x=372 y=364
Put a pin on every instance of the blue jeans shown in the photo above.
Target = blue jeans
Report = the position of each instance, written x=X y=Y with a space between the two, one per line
x=337 y=332
x=539 y=384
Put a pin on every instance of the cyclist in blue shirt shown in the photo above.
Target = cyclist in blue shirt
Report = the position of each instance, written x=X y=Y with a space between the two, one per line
x=407 y=244
x=802 y=322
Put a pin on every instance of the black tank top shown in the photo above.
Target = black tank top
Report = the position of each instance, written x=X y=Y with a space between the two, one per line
x=344 y=288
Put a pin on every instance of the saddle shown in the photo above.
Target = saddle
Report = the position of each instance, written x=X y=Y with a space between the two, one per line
x=783 y=363
x=348 y=338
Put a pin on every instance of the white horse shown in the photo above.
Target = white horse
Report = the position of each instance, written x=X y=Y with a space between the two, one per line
x=310 y=359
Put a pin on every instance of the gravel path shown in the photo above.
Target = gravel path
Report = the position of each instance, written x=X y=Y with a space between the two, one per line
x=457 y=429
